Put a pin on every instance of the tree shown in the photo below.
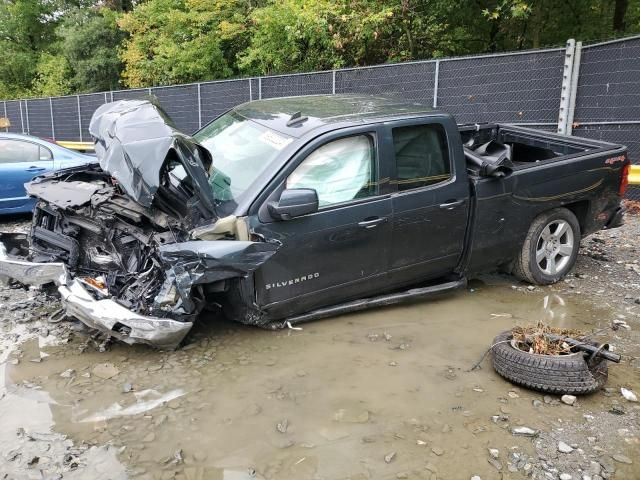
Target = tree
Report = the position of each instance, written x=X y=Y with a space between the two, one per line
x=176 y=41
x=52 y=76
x=93 y=45
x=89 y=42
x=26 y=30
x=294 y=35
x=619 y=12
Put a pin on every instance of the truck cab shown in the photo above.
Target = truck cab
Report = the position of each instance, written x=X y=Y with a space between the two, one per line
x=392 y=194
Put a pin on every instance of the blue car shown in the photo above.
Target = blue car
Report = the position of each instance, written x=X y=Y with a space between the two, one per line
x=23 y=157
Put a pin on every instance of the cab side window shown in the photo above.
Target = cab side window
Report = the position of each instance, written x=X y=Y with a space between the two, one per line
x=340 y=171
x=422 y=156
x=16 y=151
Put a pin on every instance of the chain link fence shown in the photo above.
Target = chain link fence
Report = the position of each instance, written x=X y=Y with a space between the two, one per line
x=524 y=87
x=608 y=96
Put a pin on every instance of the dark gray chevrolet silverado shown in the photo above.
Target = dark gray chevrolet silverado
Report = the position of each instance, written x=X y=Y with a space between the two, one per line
x=286 y=210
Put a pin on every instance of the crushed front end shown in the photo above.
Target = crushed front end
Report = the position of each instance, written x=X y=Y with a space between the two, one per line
x=122 y=239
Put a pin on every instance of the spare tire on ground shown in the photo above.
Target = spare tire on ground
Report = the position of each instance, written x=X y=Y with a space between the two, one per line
x=574 y=374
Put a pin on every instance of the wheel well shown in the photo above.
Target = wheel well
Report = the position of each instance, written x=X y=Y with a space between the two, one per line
x=580 y=210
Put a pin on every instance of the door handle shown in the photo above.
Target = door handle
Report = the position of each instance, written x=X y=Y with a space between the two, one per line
x=452 y=205
x=35 y=169
x=372 y=222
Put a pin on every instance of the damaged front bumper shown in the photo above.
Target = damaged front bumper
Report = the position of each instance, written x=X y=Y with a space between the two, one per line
x=104 y=315
x=112 y=318
x=135 y=244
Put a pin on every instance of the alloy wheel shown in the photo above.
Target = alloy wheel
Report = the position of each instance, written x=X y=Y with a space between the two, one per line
x=554 y=247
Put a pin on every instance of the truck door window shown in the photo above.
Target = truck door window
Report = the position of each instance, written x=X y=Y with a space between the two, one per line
x=422 y=156
x=340 y=171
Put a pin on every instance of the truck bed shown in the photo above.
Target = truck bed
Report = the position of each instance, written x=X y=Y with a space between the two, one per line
x=540 y=171
x=520 y=147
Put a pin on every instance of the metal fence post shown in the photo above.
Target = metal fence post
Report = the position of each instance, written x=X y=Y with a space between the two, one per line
x=575 y=75
x=149 y=91
x=111 y=92
x=79 y=117
x=21 y=116
x=106 y=100
x=565 y=92
x=250 y=89
x=259 y=88
x=26 y=111
x=333 y=79
x=436 y=79
x=53 y=127
x=6 y=129
x=199 y=107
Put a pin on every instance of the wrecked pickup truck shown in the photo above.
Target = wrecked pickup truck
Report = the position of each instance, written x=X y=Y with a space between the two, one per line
x=286 y=210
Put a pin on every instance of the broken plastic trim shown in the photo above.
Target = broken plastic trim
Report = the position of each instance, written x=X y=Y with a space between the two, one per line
x=198 y=262
x=112 y=318
x=29 y=272
x=187 y=264
x=105 y=315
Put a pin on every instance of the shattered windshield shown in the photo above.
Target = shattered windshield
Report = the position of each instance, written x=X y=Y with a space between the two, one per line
x=242 y=150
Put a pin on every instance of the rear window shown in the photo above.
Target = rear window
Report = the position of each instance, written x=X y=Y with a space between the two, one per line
x=422 y=156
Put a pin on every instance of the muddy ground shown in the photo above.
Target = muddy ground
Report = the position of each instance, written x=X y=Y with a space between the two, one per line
x=384 y=394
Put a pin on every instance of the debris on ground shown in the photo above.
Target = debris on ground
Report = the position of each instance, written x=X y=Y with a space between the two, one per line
x=543 y=339
x=145 y=432
x=629 y=395
x=525 y=431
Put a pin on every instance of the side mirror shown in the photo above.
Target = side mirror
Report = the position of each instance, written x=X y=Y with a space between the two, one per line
x=294 y=202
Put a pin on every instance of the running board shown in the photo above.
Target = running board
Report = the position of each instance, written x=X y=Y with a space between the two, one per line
x=372 y=302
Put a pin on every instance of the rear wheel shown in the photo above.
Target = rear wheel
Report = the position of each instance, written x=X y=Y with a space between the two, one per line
x=550 y=249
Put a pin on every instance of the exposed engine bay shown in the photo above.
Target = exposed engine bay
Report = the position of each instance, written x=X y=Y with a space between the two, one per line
x=138 y=230
x=108 y=241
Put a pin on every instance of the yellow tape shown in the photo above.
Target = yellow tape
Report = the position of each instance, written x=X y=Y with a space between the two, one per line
x=634 y=175
x=76 y=145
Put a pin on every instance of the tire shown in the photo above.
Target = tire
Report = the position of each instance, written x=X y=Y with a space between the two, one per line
x=562 y=374
x=550 y=248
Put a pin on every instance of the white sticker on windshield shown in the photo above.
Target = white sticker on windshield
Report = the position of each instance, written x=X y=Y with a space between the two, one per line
x=275 y=140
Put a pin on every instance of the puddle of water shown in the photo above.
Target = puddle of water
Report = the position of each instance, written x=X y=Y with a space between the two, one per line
x=329 y=401
x=29 y=446
x=145 y=400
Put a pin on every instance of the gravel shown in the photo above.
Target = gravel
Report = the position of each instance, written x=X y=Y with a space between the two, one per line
x=598 y=447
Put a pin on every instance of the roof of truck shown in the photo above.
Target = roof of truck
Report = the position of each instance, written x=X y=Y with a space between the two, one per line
x=319 y=110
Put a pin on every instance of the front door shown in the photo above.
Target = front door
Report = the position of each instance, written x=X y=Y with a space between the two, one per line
x=20 y=161
x=430 y=205
x=339 y=252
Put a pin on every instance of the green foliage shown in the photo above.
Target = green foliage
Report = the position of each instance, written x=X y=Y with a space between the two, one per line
x=296 y=35
x=60 y=46
x=177 y=41
x=89 y=42
x=322 y=34
x=52 y=76
x=25 y=29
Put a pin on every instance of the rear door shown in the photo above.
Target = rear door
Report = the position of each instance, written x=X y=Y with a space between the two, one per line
x=341 y=251
x=430 y=203
x=20 y=161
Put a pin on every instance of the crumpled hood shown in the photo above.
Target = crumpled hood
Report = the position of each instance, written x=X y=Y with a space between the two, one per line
x=133 y=140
